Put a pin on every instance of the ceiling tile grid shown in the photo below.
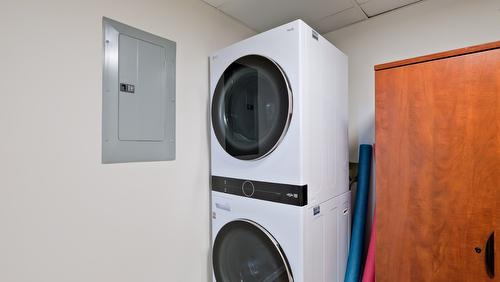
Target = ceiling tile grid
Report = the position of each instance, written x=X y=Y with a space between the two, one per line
x=266 y=14
x=341 y=19
x=323 y=15
x=376 y=7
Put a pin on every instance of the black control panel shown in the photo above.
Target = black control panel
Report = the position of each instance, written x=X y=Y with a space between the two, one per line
x=275 y=192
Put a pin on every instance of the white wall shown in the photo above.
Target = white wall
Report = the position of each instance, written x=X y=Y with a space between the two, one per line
x=426 y=27
x=63 y=215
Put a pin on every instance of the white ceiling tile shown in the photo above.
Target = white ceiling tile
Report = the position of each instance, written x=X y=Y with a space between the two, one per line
x=375 y=7
x=265 y=14
x=215 y=3
x=339 y=20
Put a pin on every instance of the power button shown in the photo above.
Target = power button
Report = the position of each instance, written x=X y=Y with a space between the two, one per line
x=247 y=188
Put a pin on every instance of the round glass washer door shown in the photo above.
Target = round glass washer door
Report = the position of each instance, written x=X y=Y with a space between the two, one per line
x=244 y=251
x=251 y=107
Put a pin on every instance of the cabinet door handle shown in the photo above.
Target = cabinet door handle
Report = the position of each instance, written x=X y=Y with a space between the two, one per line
x=489 y=255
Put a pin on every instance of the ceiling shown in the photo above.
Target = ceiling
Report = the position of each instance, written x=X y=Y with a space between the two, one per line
x=322 y=15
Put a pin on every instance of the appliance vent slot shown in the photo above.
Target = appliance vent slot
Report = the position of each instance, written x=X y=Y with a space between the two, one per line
x=316 y=210
x=315 y=35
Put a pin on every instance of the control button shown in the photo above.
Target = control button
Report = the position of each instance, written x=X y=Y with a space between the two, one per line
x=247 y=188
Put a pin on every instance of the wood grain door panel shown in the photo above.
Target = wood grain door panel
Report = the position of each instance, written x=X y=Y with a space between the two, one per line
x=437 y=168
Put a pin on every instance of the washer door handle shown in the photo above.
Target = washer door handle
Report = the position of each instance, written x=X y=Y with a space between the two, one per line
x=225 y=207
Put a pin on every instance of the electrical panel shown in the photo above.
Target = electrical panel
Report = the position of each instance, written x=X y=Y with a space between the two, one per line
x=138 y=121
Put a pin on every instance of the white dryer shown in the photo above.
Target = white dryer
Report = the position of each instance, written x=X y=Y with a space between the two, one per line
x=279 y=117
x=255 y=240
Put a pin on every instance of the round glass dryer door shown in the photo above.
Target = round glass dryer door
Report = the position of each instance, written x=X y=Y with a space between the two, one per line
x=251 y=107
x=244 y=251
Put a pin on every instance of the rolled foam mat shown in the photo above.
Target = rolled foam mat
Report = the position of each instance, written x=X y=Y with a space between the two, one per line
x=369 y=272
x=353 y=271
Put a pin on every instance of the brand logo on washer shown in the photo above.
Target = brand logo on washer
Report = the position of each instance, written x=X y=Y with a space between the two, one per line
x=292 y=195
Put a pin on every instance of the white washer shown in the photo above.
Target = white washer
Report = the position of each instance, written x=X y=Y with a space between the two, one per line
x=255 y=240
x=279 y=116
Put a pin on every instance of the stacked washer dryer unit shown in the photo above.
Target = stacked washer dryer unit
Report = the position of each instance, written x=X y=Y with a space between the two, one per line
x=280 y=200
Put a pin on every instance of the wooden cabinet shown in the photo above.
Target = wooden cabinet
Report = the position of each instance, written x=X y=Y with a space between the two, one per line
x=438 y=166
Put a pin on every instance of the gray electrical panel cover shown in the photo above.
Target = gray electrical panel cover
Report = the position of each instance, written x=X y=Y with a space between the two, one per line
x=138 y=110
